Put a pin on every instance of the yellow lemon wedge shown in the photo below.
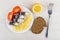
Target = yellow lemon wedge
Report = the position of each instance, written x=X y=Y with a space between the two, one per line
x=24 y=25
x=36 y=8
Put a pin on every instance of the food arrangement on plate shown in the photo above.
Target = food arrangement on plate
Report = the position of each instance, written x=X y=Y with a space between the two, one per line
x=21 y=19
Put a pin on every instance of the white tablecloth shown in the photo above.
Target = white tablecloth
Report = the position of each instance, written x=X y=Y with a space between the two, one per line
x=54 y=27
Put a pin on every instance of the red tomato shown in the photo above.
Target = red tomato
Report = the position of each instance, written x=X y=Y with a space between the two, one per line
x=16 y=9
x=10 y=16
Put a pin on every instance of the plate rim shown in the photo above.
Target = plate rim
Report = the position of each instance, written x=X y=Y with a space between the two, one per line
x=30 y=24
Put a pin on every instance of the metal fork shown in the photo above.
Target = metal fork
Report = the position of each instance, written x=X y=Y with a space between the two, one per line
x=50 y=7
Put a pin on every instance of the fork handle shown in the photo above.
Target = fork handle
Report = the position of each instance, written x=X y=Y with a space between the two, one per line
x=47 y=27
x=47 y=32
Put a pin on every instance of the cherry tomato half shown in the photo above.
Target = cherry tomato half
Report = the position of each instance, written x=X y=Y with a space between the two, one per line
x=16 y=9
x=10 y=16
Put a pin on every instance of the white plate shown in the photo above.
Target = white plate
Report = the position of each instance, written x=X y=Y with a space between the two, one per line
x=11 y=27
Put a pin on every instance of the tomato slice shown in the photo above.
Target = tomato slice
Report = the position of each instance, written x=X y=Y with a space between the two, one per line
x=10 y=16
x=16 y=9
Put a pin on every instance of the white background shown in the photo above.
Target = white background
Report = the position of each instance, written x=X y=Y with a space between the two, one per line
x=54 y=27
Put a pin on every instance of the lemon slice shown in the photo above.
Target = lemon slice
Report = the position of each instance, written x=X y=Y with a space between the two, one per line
x=36 y=8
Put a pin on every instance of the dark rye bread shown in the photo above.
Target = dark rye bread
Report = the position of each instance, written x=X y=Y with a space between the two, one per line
x=40 y=21
x=38 y=25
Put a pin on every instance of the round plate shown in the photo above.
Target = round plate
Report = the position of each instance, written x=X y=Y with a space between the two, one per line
x=11 y=27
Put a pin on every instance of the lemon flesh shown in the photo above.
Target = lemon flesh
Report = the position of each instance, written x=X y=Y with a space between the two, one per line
x=24 y=25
